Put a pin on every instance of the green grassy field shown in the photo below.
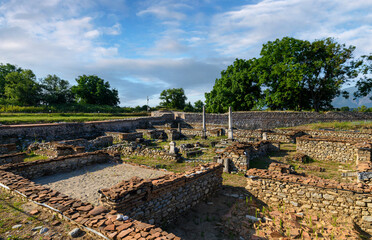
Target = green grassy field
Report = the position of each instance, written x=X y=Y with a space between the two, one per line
x=357 y=125
x=20 y=118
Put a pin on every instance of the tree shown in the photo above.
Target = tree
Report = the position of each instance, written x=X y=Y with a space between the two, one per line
x=281 y=69
x=173 y=98
x=238 y=87
x=303 y=75
x=94 y=90
x=21 y=88
x=56 y=90
x=189 y=108
x=364 y=85
x=5 y=70
x=198 y=106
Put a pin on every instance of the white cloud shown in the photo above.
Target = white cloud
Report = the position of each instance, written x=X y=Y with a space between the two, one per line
x=166 y=10
x=188 y=47
x=242 y=31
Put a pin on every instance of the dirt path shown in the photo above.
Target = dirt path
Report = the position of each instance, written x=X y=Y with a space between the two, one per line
x=85 y=182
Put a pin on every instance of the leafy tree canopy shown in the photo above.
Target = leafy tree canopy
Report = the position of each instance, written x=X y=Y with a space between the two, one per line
x=94 y=90
x=238 y=87
x=173 y=98
x=198 y=106
x=304 y=75
x=364 y=84
x=21 y=88
x=56 y=90
x=5 y=69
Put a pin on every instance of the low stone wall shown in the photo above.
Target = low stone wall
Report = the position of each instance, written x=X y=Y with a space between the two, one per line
x=238 y=155
x=119 y=136
x=328 y=133
x=314 y=194
x=152 y=133
x=99 y=222
x=130 y=151
x=12 y=158
x=51 y=166
x=270 y=119
x=332 y=149
x=54 y=149
x=28 y=133
x=162 y=199
x=8 y=148
x=244 y=135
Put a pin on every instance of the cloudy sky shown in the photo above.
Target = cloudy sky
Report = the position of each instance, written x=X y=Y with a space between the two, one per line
x=144 y=47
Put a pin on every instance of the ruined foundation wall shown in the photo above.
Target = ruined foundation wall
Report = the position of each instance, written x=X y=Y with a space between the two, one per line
x=161 y=200
x=322 y=196
x=128 y=151
x=51 y=166
x=339 y=150
x=62 y=131
x=328 y=133
x=274 y=119
x=99 y=222
x=12 y=158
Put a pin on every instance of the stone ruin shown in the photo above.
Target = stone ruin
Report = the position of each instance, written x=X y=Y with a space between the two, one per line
x=126 y=209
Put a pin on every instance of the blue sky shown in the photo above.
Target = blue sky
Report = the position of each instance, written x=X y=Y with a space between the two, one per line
x=144 y=47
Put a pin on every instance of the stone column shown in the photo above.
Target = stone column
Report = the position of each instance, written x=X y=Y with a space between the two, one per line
x=230 y=130
x=179 y=128
x=172 y=147
x=226 y=166
x=264 y=136
x=204 y=131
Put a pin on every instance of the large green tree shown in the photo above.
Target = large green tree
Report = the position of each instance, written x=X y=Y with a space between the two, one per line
x=94 y=90
x=56 y=90
x=198 y=106
x=173 y=98
x=364 y=84
x=5 y=69
x=21 y=88
x=300 y=74
x=238 y=87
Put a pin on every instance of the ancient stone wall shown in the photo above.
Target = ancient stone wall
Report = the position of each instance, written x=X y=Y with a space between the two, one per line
x=99 y=222
x=8 y=148
x=238 y=155
x=12 y=158
x=135 y=151
x=59 y=131
x=40 y=168
x=332 y=149
x=274 y=119
x=119 y=136
x=162 y=199
x=328 y=133
x=69 y=147
x=314 y=194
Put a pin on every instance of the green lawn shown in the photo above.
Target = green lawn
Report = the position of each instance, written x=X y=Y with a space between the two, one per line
x=20 y=118
x=356 y=125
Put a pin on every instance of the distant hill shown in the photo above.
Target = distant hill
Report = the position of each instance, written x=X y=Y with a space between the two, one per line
x=339 y=102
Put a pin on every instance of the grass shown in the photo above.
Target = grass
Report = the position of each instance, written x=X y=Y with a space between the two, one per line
x=234 y=180
x=161 y=163
x=20 y=118
x=33 y=157
x=356 y=125
x=333 y=170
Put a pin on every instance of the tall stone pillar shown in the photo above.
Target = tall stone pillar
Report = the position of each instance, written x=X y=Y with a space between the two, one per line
x=230 y=130
x=179 y=128
x=264 y=136
x=204 y=131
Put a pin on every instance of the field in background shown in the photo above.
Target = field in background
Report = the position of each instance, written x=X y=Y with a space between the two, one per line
x=357 y=125
x=20 y=118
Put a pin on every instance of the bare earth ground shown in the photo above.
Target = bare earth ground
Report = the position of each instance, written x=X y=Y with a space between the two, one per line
x=85 y=182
